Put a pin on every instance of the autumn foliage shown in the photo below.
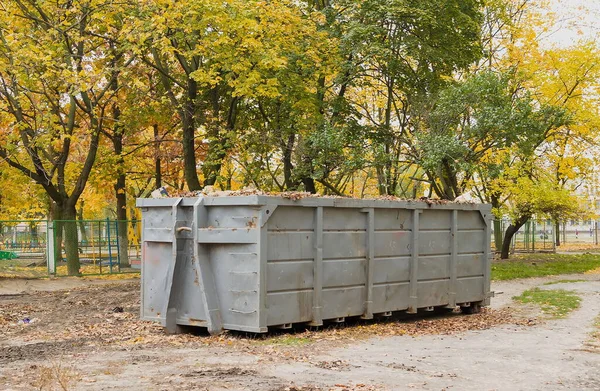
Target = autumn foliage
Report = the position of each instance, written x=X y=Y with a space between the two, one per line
x=103 y=101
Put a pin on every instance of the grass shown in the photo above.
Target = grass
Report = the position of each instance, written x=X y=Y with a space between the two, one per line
x=596 y=334
x=55 y=377
x=593 y=343
x=17 y=268
x=565 y=281
x=540 y=265
x=557 y=303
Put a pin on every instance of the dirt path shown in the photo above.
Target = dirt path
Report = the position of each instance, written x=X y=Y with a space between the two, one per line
x=551 y=356
x=15 y=286
x=82 y=340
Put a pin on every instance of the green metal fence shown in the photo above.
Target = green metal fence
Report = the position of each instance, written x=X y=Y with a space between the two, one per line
x=540 y=236
x=36 y=248
x=534 y=236
x=23 y=245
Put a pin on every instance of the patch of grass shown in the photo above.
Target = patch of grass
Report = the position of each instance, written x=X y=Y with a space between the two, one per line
x=540 y=265
x=557 y=303
x=17 y=268
x=56 y=377
x=593 y=343
x=565 y=281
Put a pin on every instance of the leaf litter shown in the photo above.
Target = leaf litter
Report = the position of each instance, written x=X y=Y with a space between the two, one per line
x=210 y=191
x=107 y=317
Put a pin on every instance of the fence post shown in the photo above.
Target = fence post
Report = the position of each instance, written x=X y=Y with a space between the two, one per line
x=99 y=241
x=544 y=235
x=533 y=232
x=108 y=240
x=527 y=236
x=50 y=259
x=118 y=248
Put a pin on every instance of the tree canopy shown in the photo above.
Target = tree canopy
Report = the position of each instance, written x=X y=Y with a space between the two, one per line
x=103 y=101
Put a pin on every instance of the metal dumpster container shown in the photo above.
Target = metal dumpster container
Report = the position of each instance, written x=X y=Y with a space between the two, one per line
x=250 y=262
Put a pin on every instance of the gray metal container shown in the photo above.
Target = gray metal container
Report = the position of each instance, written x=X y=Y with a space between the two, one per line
x=250 y=262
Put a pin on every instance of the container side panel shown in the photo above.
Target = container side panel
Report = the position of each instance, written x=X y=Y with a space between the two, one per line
x=155 y=266
x=340 y=219
x=285 y=246
x=435 y=219
x=290 y=264
x=342 y=302
x=393 y=219
x=390 y=297
x=470 y=265
x=470 y=220
x=469 y=289
x=190 y=306
x=340 y=245
x=393 y=270
x=289 y=307
x=393 y=243
x=470 y=242
x=290 y=218
x=236 y=269
x=156 y=257
x=289 y=275
x=432 y=293
x=434 y=267
x=158 y=217
x=232 y=217
x=337 y=273
x=434 y=243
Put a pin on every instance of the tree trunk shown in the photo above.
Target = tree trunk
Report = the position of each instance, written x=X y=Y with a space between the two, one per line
x=309 y=185
x=122 y=228
x=189 y=156
x=56 y=216
x=498 y=234
x=120 y=190
x=288 y=166
x=68 y=215
x=157 y=163
x=557 y=232
x=495 y=201
x=510 y=232
x=122 y=220
x=381 y=180
x=82 y=229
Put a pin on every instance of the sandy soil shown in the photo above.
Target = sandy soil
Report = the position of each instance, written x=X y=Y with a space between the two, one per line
x=85 y=335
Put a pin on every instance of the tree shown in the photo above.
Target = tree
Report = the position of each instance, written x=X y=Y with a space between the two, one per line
x=213 y=56
x=538 y=198
x=476 y=120
x=55 y=90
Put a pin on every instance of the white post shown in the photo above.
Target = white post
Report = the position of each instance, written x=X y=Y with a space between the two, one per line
x=51 y=262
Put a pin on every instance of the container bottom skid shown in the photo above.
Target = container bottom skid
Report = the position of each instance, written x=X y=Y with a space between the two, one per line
x=248 y=263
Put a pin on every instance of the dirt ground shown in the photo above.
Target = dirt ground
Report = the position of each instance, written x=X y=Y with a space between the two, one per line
x=69 y=334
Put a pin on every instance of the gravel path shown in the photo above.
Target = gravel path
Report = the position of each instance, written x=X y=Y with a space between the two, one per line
x=551 y=356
